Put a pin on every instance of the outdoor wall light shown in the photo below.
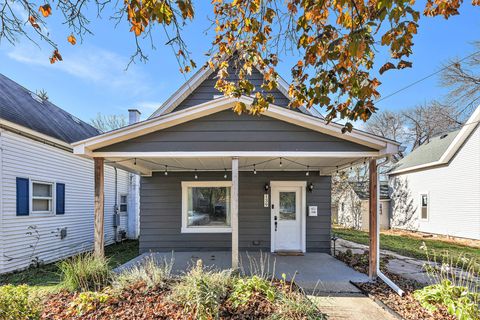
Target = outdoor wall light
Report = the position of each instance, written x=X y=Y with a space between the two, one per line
x=310 y=187
x=266 y=187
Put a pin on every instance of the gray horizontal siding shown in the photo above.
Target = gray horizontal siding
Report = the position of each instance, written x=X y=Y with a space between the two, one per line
x=227 y=131
x=161 y=206
x=206 y=90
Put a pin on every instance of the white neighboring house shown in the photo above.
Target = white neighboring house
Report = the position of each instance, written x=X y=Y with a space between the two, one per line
x=351 y=206
x=436 y=188
x=46 y=192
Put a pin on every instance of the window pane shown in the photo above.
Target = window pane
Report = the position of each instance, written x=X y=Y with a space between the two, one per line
x=40 y=205
x=424 y=200
x=209 y=206
x=123 y=199
x=42 y=190
x=123 y=208
x=287 y=205
x=424 y=213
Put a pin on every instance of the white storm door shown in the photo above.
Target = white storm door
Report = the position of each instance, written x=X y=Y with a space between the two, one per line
x=287 y=218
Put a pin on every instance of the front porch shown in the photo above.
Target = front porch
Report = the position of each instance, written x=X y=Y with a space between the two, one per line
x=317 y=273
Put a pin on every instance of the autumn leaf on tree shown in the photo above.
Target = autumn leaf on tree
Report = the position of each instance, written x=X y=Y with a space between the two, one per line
x=71 y=38
x=387 y=66
x=55 y=57
x=33 y=22
x=46 y=10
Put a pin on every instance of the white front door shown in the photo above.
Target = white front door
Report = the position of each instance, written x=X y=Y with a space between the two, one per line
x=288 y=210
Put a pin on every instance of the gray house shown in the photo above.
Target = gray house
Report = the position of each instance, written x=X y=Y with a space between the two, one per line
x=215 y=180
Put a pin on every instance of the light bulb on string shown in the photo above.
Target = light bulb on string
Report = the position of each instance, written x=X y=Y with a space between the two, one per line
x=308 y=172
x=135 y=161
x=337 y=169
x=225 y=175
x=281 y=162
x=254 y=169
x=166 y=170
x=196 y=175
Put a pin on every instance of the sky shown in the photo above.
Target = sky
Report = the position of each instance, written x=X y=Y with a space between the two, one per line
x=93 y=78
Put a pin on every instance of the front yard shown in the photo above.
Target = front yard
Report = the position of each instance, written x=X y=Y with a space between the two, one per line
x=84 y=287
x=411 y=246
x=47 y=278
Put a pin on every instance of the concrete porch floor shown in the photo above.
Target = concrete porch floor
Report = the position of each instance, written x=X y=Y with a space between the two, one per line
x=316 y=273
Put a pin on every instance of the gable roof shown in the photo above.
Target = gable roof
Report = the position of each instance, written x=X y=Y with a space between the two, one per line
x=440 y=150
x=204 y=73
x=24 y=108
x=383 y=145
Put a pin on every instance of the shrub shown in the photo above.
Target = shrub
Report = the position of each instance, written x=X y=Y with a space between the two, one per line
x=149 y=272
x=244 y=289
x=18 y=303
x=84 y=272
x=89 y=301
x=202 y=291
x=455 y=285
x=458 y=300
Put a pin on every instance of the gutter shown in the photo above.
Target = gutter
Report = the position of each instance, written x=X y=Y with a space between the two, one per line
x=380 y=274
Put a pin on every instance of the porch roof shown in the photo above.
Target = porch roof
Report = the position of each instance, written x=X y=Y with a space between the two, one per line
x=362 y=145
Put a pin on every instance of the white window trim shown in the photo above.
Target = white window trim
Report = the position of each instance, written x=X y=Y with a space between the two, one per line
x=52 y=210
x=428 y=206
x=120 y=195
x=185 y=228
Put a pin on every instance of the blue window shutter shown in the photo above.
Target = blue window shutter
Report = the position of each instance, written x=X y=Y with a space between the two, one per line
x=23 y=200
x=60 y=196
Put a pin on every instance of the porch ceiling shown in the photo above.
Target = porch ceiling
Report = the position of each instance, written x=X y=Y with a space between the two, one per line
x=146 y=165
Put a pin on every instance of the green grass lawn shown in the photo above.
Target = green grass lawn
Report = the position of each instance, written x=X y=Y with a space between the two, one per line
x=46 y=278
x=410 y=246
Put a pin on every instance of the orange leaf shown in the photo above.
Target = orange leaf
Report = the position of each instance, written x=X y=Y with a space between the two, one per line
x=46 y=10
x=72 y=40
x=404 y=64
x=387 y=66
x=55 y=56
x=33 y=22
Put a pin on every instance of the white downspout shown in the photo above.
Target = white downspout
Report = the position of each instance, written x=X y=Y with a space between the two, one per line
x=385 y=279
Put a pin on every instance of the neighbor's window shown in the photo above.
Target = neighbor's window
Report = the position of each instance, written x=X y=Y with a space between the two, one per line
x=42 y=197
x=123 y=203
x=424 y=202
x=206 y=206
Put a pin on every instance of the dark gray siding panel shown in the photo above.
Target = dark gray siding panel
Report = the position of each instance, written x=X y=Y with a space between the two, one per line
x=227 y=131
x=206 y=91
x=160 y=219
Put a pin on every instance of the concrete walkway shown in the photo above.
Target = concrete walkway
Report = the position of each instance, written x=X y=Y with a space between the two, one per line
x=354 y=307
x=409 y=268
x=314 y=272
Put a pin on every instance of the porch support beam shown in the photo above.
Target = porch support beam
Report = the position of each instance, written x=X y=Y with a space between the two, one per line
x=99 y=197
x=234 y=213
x=372 y=228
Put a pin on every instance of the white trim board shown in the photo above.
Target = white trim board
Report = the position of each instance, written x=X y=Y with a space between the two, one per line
x=302 y=213
x=185 y=228
x=85 y=147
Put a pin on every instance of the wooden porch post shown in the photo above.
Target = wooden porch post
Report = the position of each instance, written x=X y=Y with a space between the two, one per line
x=99 y=208
x=373 y=230
x=234 y=213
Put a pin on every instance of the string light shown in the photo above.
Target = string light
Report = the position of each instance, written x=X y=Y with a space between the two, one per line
x=225 y=175
x=307 y=173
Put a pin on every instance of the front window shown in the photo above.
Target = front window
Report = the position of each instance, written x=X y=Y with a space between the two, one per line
x=206 y=206
x=42 y=197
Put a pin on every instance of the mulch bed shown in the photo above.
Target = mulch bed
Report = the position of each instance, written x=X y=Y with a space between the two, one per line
x=138 y=302
x=406 y=306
